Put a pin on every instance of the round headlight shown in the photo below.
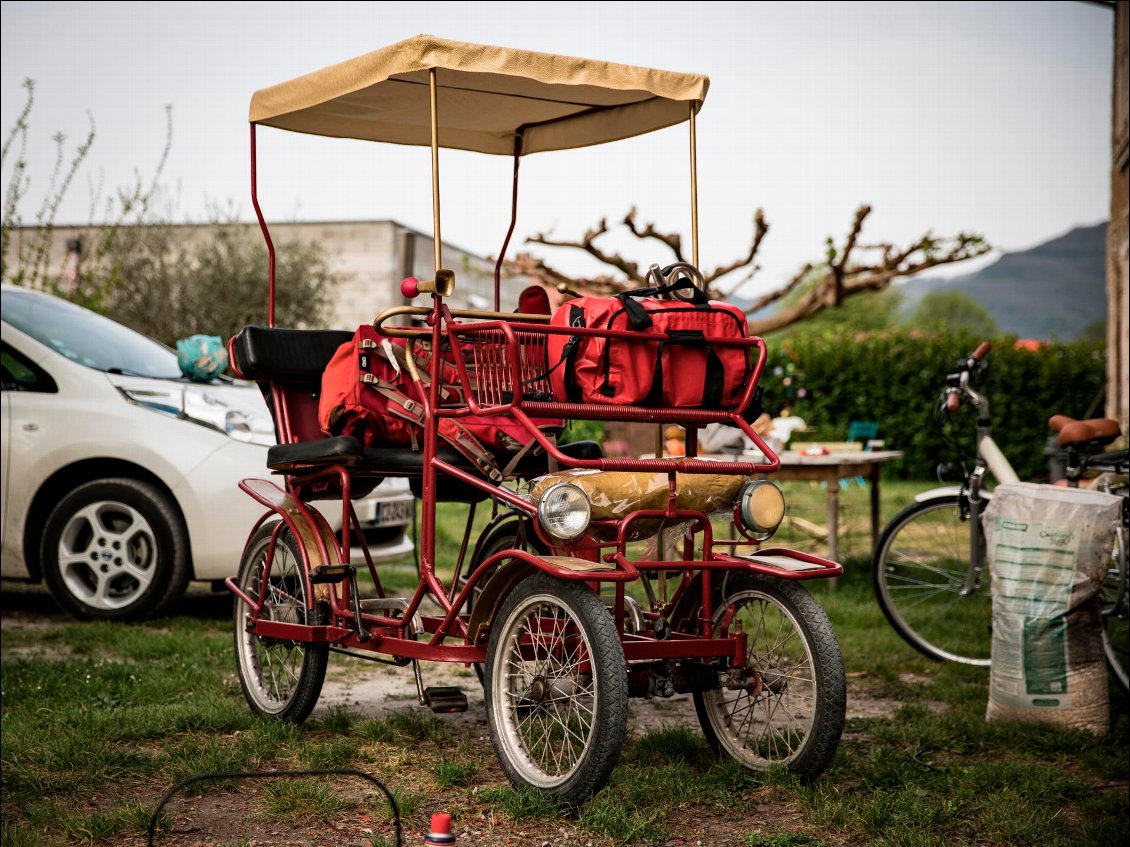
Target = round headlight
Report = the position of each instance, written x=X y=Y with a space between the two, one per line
x=564 y=511
x=762 y=507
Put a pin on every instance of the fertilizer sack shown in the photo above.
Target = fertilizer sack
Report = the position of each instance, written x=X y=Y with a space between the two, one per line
x=1049 y=549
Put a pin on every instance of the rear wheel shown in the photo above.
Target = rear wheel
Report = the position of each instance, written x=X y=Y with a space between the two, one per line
x=1116 y=615
x=556 y=689
x=787 y=708
x=280 y=679
x=920 y=568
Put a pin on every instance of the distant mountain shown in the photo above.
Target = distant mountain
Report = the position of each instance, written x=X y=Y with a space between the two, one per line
x=1054 y=290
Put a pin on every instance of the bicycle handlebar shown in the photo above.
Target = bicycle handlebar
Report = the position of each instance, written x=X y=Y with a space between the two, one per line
x=957 y=385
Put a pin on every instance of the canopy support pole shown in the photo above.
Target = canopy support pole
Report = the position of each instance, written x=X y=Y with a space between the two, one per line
x=266 y=234
x=694 y=193
x=513 y=221
x=438 y=238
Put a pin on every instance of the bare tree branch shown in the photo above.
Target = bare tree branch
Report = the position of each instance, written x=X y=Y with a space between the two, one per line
x=847 y=270
x=673 y=240
x=587 y=244
x=760 y=228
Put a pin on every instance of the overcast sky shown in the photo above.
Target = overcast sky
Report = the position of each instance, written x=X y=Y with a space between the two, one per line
x=990 y=117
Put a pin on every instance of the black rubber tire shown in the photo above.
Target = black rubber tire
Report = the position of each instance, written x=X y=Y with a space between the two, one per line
x=792 y=713
x=1115 y=619
x=115 y=549
x=280 y=679
x=536 y=703
x=920 y=565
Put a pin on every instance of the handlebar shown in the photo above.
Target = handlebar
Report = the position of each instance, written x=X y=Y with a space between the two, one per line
x=957 y=384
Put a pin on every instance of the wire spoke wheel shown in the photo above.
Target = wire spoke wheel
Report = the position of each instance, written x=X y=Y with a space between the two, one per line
x=556 y=689
x=1115 y=614
x=787 y=706
x=280 y=678
x=920 y=569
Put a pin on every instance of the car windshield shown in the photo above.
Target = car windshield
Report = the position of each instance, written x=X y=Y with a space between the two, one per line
x=87 y=338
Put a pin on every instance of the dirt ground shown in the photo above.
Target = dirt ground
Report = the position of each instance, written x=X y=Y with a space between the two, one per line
x=367 y=690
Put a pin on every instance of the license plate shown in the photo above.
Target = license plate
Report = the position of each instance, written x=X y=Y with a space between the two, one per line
x=392 y=512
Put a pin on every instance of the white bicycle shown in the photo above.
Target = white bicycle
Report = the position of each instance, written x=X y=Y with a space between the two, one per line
x=929 y=567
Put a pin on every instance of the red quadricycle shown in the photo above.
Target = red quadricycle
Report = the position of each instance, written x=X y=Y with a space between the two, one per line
x=553 y=603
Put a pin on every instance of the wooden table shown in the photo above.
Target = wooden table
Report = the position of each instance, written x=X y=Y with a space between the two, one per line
x=830 y=468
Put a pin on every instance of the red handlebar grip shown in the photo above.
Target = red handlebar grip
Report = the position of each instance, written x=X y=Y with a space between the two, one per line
x=953 y=402
x=982 y=350
x=410 y=287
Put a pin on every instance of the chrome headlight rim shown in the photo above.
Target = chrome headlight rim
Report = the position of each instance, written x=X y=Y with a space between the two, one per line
x=758 y=516
x=549 y=499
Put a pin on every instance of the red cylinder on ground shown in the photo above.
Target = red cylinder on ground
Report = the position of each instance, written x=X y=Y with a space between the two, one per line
x=441 y=833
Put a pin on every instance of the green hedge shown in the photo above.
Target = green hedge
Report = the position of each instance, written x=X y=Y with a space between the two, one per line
x=896 y=378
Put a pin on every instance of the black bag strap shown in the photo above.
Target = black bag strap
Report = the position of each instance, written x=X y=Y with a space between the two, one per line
x=637 y=314
x=715 y=374
x=569 y=356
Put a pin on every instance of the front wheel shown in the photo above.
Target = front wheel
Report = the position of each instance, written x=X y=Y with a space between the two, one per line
x=280 y=679
x=556 y=689
x=921 y=565
x=115 y=549
x=787 y=706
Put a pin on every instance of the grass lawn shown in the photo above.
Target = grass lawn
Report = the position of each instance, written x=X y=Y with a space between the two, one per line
x=100 y=720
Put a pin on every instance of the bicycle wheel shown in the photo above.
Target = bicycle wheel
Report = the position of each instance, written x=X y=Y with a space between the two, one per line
x=280 y=679
x=1116 y=629
x=920 y=565
x=557 y=689
x=790 y=710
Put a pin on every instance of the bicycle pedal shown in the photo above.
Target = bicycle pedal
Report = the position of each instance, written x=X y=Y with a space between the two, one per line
x=444 y=699
x=324 y=574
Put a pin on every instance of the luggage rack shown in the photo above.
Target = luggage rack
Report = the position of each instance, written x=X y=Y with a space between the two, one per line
x=507 y=361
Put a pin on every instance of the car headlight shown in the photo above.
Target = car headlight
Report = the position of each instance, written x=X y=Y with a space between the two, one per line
x=564 y=511
x=205 y=407
x=761 y=507
x=214 y=408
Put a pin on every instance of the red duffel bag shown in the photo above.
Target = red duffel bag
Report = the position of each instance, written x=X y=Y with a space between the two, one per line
x=667 y=361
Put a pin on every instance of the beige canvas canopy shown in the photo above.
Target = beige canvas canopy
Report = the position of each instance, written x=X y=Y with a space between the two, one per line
x=486 y=96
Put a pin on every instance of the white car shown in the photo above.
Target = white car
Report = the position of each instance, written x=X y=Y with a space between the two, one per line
x=120 y=475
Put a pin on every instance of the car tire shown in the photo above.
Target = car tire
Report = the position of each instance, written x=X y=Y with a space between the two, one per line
x=115 y=549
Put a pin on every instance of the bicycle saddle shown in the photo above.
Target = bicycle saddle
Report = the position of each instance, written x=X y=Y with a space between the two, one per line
x=1097 y=431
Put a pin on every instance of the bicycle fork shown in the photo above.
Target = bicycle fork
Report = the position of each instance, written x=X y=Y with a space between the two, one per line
x=974 y=504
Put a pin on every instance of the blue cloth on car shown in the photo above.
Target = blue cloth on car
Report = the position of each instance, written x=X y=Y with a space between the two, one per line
x=201 y=357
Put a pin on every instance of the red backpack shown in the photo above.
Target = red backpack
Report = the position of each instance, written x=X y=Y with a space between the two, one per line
x=368 y=393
